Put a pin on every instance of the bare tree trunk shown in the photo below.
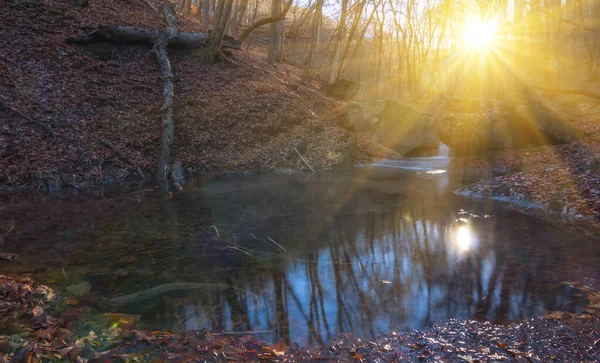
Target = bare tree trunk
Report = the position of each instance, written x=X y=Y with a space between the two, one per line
x=275 y=34
x=205 y=12
x=240 y=17
x=379 y=53
x=316 y=25
x=281 y=36
x=355 y=23
x=359 y=40
x=213 y=48
x=233 y=20
x=339 y=43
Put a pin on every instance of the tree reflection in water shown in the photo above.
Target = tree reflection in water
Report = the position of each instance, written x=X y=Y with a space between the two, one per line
x=364 y=256
x=355 y=268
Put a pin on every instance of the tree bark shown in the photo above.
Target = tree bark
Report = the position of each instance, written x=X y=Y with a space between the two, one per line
x=205 y=12
x=215 y=40
x=341 y=32
x=308 y=63
x=240 y=17
x=354 y=25
x=280 y=35
x=133 y=35
x=275 y=34
x=162 y=57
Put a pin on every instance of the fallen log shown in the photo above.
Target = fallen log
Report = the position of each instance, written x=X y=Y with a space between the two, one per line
x=148 y=37
x=168 y=129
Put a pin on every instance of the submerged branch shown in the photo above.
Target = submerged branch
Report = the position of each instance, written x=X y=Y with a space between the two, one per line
x=163 y=289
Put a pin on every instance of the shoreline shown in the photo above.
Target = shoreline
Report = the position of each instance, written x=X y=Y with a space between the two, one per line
x=48 y=323
x=587 y=225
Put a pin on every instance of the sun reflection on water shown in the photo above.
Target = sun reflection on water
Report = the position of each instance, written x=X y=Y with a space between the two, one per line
x=464 y=238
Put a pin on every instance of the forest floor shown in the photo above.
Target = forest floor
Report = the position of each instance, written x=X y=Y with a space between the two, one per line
x=59 y=100
x=38 y=324
x=555 y=181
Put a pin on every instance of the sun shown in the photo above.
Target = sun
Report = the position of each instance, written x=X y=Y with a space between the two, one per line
x=480 y=34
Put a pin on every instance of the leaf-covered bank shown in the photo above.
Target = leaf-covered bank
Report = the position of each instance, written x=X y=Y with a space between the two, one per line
x=58 y=101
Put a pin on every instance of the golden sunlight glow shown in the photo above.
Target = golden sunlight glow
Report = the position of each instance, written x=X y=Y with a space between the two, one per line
x=480 y=34
x=464 y=238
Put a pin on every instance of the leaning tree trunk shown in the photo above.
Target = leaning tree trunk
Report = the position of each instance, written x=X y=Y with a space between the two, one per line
x=160 y=51
x=265 y=21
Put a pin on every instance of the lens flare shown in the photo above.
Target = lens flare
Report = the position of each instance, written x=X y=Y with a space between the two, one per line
x=480 y=34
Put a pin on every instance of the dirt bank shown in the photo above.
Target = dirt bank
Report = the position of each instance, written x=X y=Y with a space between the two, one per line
x=562 y=180
x=59 y=100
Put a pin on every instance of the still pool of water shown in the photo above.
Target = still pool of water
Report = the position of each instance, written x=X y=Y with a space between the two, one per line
x=307 y=256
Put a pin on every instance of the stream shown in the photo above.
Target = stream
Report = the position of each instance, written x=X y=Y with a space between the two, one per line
x=307 y=256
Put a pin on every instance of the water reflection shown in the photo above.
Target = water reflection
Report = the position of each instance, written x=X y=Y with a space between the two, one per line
x=464 y=238
x=388 y=255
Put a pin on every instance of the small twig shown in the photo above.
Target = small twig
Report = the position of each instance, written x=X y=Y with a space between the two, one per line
x=12 y=226
x=65 y=273
x=531 y=206
x=118 y=56
x=305 y=162
x=153 y=7
x=277 y=244
x=141 y=191
x=30 y=119
x=100 y=168
x=239 y=249
x=109 y=145
x=216 y=230
x=244 y=332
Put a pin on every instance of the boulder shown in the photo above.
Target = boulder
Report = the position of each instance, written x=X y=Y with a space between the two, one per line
x=342 y=89
x=403 y=128
x=355 y=119
x=506 y=126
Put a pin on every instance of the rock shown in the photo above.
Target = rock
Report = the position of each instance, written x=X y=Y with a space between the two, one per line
x=505 y=126
x=403 y=128
x=79 y=289
x=354 y=119
x=376 y=150
x=342 y=89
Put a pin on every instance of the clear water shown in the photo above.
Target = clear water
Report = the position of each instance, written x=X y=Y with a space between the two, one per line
x=366 y=252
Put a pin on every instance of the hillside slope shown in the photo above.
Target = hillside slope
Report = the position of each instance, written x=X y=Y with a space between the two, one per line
x=58 y=100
